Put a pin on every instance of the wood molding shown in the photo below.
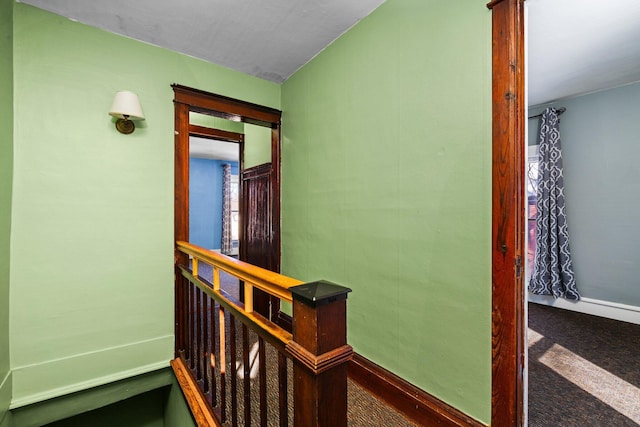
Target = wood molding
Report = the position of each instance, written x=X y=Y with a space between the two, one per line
x=416 y=404
x=200 y=409
x=228 y=108
x=181 y=178
x=218 y=134
x=276 y=162
x=493 y=3
x=322 y=362
x=508 y=347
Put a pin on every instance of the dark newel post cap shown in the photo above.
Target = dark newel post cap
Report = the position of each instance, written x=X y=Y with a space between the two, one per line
x=319 y=293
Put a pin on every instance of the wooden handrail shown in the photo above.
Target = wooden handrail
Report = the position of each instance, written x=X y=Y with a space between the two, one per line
x=268 y=281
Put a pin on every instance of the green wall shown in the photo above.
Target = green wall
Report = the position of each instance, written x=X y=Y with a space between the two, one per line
x=176 y=409
x=257 y=145
x=387 y=186
x=92 y=232
x=6 y=179
x=600 y=153
x=144 y=410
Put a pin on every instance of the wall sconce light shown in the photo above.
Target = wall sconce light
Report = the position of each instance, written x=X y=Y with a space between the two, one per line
x=126 y=108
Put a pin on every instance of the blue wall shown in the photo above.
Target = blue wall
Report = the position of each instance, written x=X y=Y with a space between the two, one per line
x=600 y=152
x=205 y=201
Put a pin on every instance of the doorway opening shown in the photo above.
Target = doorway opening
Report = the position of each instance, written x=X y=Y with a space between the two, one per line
x=259 y=199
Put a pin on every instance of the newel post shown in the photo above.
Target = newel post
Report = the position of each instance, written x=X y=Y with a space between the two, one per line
x=320 y=353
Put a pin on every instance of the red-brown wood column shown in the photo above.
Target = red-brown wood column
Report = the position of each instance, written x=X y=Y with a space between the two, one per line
x=181 y=178
x=508 y=213
x=181 y=215
x=320 y=352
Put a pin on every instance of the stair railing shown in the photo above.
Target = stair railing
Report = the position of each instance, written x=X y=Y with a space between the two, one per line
x=245 y=377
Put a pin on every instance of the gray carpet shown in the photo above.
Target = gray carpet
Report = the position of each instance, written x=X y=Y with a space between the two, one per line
x=583 y=370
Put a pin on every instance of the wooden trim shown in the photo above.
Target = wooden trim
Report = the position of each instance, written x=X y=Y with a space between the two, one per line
x=218 y=134
x=416 y=404
x=493 y=3
x=275 y=191
x=508 y=347
x=228 y=108
x=256 y=171
x=322 y=362
x=200 y=409
x=181 y=177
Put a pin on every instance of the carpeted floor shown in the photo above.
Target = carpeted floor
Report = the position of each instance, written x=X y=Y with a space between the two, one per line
x=583 y=370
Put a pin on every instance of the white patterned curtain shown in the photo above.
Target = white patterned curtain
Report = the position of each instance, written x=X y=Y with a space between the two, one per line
x=552 y=268
x=226 y=246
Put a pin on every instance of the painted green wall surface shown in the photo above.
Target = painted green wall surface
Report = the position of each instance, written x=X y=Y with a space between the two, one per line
x=600 y=155
x=176 y=409
x=92 y=231
x=387 y=186
x=144 y=410
x=6 y=173
x=257 y=145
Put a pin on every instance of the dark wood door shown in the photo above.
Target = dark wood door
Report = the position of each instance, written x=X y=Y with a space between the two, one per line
x=257 y=237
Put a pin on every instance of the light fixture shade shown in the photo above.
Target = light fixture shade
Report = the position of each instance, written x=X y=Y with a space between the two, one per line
x=126 y=105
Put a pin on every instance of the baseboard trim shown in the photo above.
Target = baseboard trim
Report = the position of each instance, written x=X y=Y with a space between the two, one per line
x=414 y=403
x=595 y=307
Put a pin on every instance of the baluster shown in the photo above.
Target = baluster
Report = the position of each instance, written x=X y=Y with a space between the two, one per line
x=185 y=318
x=248 y=297
x=223 y=366
x=214 y=386
x=194 y=267
x=234 y=371
x=199 y=346
x=262 y=363
x=192 y=324
x=247 y=375
x=206 y=369
x=283 y=390
x=178 y=314
x=216 y=278
x=199 y=335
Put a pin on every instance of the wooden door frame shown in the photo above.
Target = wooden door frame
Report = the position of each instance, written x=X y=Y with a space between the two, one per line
x=508 y=207
x=188 y=100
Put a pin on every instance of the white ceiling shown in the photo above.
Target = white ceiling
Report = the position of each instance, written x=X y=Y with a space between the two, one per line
x=574 y=46
x=581 y=46
x=213 y=149
x=268 y=39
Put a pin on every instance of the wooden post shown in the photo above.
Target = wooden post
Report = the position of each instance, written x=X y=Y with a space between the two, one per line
x=320 y=353
x=508 y=206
